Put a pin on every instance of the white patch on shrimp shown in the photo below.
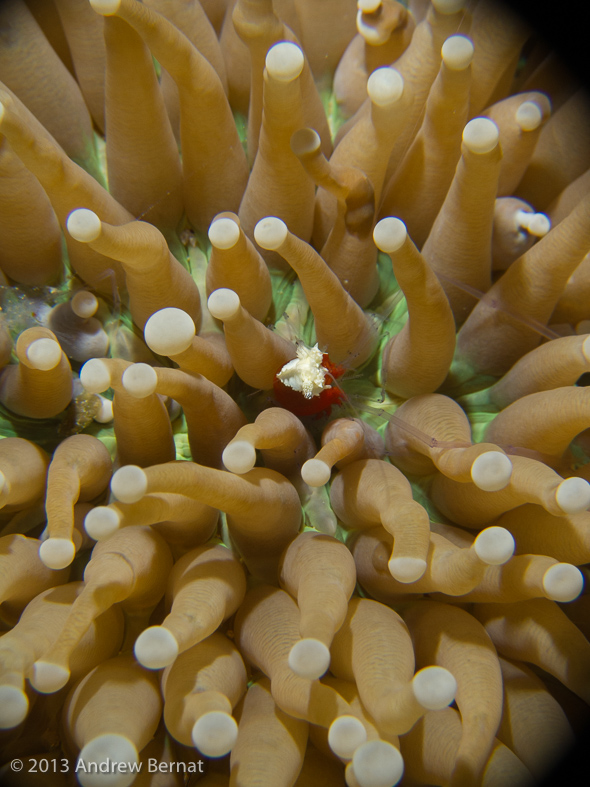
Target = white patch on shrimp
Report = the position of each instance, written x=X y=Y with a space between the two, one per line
x=305 y=373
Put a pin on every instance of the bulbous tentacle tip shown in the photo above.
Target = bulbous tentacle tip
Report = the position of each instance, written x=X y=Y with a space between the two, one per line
x=494 y=545
x=491 y=471
x=139 y=380
x=385 y=86
x=529 y=116
x=223 y=233
x=84 y=304
x=434 y=687
x=57 y=553
x=105 y=411
x=315 y=472
x=101 y=522
x=239 y=457
x=215 y=734
x=563 y=582
x=285 y=61
x=110 y=749
x=457 y=52
x=390 y=234
x=369 y=6
x=83 y=225
x=377 y=764
x=345 y=735
x=44 y=354
x=223 y=303
x=47 y=678
x=105 y=7
x=537 y=224
x=309 y=658
x=169 y=331
x=305 y=142
x=156 y=647
x=129 y=484
x=14 y=707
x=95 y=376
x=374 y=34
x=270 y=233
x=573 y=495
x=406 y=569
x=481 y=135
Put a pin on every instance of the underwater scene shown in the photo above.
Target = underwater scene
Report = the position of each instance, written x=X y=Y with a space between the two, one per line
x=294 y=394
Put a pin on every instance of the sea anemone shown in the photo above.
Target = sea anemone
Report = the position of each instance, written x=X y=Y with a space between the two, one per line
x=294 y=334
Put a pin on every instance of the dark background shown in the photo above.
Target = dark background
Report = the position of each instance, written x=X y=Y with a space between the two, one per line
x=565 y=26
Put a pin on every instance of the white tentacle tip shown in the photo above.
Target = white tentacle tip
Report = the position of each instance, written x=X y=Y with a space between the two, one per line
x=57 y=553
x=457 y=52
x=83 y=225
x=101 y=522
x=48 y=678
x=285 y=61
x=494 y=545
x=105 y=7
x=224 y=233
x=14 y=706
x=385 y=86
x=129 y=484
x=373 y=34
x=481 y=135
x=345 y=735
x=537 y=224
x=105 y=412
x=377 y=764
x=215 y=734
x=108 y=760
x=316 y=473
x=84 y=304
x=309 y=658
x=156 y=647
x=95 y=376
x=573 y=495
x=491 y=471
x=563 y=582
x=434 y=687
x=270 y=233
x=223 y=303
x=529 y=116
x=406 y=569
x=305 y=141
x=368 y=6
x=44 y=354
x=390 y=234
x=239 y=457
x=169 y=331
x=139 y=380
